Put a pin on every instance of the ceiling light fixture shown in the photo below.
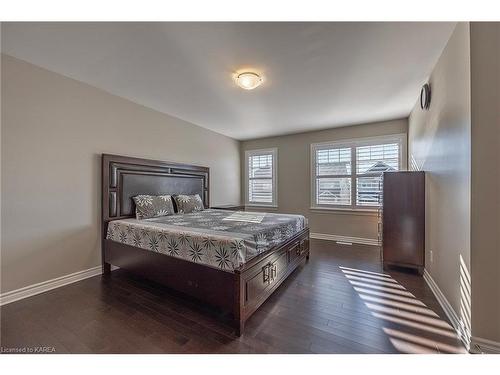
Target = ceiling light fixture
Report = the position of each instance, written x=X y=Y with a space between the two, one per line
x=248 y=80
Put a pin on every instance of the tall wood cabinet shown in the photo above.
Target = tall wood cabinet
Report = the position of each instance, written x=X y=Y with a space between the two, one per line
x=403 y=220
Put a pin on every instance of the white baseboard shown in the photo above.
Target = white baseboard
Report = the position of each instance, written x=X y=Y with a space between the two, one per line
x=44 y=286
x=449 y=311
x=480 y=345
x=337 y=238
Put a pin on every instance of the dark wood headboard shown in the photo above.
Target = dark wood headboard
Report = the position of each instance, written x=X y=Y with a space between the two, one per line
x=124 y=177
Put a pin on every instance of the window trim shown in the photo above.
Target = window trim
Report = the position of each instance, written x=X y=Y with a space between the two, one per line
x=274 y=152
x=400 y=138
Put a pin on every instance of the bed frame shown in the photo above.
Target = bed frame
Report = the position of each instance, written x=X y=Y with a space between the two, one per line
x=240 y=293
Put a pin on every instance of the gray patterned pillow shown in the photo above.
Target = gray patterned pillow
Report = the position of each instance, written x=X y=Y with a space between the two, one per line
x=188 y=203
x=148 y=206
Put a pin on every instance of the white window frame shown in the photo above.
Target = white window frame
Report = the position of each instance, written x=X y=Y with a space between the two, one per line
x=274 y=152
x=401 y=139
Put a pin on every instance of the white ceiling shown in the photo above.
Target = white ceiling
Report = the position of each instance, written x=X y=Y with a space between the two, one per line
x=317 y=75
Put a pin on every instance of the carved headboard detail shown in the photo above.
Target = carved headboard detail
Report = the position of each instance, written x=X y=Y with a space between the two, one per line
x=124 y=177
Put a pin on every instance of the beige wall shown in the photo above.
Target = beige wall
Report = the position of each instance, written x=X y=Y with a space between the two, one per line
x=53 y=132
x=485 y=193
x=457 y=143
x=294 y=181
x=439 y=144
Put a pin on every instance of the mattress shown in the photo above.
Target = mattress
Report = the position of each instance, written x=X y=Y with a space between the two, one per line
x=217 y=238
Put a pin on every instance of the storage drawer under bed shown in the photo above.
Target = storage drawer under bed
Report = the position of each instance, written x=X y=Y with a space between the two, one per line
x=271 y=272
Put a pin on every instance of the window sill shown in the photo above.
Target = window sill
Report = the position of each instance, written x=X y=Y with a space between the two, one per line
x=272 y=207
x=346 y=211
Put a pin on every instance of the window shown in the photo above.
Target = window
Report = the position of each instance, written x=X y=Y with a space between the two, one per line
x=260 y=173
x=348 y=174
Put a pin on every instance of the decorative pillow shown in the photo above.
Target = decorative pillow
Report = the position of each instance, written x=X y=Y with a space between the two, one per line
x=148 y=206
x=188 y=203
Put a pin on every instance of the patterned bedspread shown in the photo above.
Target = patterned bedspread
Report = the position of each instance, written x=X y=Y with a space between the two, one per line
x=217 y=238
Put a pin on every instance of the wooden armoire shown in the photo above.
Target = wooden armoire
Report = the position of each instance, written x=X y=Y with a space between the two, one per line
x=403 y=220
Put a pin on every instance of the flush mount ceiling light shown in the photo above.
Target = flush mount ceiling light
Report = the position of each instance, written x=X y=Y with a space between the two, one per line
x=248 y=80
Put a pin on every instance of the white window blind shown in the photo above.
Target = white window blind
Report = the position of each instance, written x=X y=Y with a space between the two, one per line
x=333 y=176
x=261 y=177
x=349 y=174
x=371 y=162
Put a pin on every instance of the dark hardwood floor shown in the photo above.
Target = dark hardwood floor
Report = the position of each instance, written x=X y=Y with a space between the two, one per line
x=339 y=302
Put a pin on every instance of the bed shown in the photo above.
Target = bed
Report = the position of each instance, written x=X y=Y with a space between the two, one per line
x=231 y=260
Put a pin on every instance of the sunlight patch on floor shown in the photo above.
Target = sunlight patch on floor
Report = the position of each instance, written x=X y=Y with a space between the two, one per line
x=381 y=288
x=375 y=282
x=422 y=341
x=399 y=305
x=448 y=332
x=389 y=301
x=389 y=296
x=465 y=301
x=369 y=276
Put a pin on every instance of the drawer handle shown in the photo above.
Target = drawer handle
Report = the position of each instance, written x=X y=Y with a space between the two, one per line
x=269 y=272
x=300 y=247
x=274 y=272
x=266 y=273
